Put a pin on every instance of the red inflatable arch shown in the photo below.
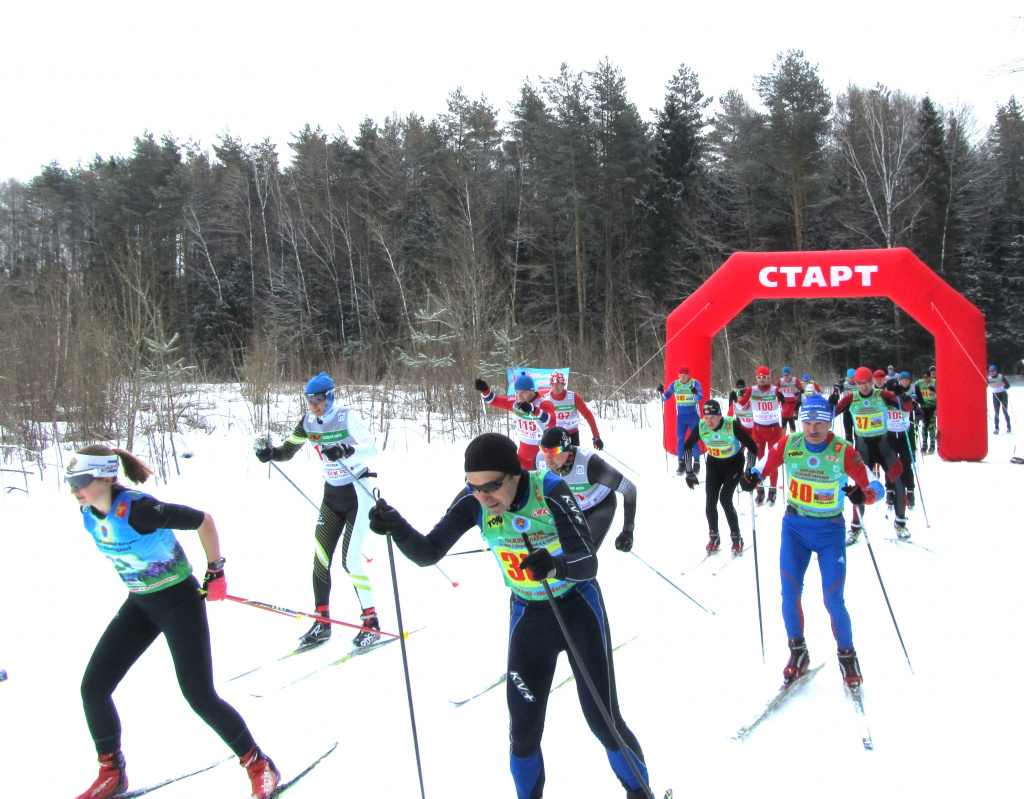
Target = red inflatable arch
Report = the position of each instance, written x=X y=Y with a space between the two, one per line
x=958 y=326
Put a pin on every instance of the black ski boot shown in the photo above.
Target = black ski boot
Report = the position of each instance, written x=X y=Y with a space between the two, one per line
x=759 y=497
x=370 y=634
x=713 y=541
x=317 y=634
x=798 y=660
x=850 y=667
x=737 y=543
x=771 y=495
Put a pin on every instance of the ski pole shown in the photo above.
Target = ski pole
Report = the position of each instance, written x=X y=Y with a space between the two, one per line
x=663 y=577
x=298 y=614
x=467 y=552
x=405 y=657
x=757 y=576
x=627 y=753
x=280 y=471
x=606 y=452
x=375 y=500
x=867 y=540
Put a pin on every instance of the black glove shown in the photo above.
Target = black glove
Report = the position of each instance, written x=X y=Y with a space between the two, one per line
x=837 y=388
x=750 y=480
x=691 y=480
x=337 y=452
x=385 y=520
x=733 y=396
x=624 y=543
x=539 y=564
x=524 y=407
x=264 y=454
x=693 y=390
x=481 y=385
x=855 y=493
x=661 y=388
x=598 y=443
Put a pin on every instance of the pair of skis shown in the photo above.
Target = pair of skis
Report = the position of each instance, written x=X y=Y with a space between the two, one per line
x=352 y=653
x=281 y=788
x=853 y=693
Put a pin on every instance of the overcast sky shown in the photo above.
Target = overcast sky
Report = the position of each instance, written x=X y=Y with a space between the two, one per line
x=81 y=78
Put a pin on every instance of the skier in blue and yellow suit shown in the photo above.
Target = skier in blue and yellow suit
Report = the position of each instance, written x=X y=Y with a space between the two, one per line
x=689 y=396
x=509 y=503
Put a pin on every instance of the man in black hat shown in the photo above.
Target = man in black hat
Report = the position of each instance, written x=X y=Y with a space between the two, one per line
x=533 y=525
x=725 y=439
x=594 y=482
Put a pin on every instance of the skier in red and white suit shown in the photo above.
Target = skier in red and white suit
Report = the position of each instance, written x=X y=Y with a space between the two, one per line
x=765 y=401
x=791 y=392
x=568 y=407
x=532 y=414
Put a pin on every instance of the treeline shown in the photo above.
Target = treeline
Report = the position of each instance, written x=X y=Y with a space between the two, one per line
x=424 y=251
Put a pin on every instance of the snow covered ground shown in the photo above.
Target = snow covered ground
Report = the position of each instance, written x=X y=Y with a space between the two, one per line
x=687 y=682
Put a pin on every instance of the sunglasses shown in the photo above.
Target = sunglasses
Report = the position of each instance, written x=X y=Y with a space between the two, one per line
x=316 y=399
x=79 y=480
x=552 y=450
x=487 y=488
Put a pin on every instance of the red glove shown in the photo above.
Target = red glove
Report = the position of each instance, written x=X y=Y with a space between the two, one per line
x=214 y=583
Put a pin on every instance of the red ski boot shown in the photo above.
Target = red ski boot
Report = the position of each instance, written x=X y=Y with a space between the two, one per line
x=112 y=780
x=263 y=774
x=713 y=542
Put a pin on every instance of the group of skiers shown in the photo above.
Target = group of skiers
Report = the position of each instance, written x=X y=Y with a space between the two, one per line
x=543 y=508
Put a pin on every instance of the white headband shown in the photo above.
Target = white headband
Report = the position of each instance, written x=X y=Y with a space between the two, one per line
x=97 y=465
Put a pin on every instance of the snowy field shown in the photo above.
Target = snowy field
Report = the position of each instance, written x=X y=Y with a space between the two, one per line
x=686 y=684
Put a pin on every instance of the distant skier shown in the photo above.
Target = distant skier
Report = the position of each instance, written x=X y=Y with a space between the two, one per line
x=870 y=406
x=725 y=441
x=344 y=443
x=790 y=391
x=569 y=405
x=688 y=396
x=594 y=482
x=927 y=393
x=512 y=506
x=818 y=464
x=764 y=401
x=135 y=531
x=533 y=414
x=742 y=412
x=900 y=426
x=999 y=386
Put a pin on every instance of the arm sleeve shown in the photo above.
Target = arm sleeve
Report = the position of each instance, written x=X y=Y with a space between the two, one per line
x=545 y=412
x=584 y=411
x=744 y=438
x=669 y=392
x=366 y=446
x=577 y=561
x=700 y=391
x=601 y=472
x=426 y=550
x=149 y=515
x=843 y=404
x=746 y=395
x=293 y=443
x=505 y=403
x=855 y=468
x=772 y=459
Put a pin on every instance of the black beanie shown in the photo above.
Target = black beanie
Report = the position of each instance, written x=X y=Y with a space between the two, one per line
x=492 y=452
